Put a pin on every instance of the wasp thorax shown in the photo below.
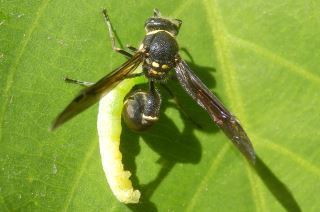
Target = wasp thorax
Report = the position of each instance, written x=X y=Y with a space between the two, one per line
x=141 y=109
x=162 y=50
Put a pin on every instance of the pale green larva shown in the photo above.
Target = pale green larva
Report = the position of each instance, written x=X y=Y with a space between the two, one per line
x=109 y=131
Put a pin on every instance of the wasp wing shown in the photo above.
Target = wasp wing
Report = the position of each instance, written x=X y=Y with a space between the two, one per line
x=92 y=94
x=218 y=113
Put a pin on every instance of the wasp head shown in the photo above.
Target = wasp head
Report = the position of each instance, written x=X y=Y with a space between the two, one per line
x=160 y=23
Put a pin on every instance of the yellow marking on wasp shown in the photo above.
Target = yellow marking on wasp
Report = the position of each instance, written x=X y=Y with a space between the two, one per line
x=164 y=66
x=155 y=64
x=154 y=72
x=151 y=71
x=150 y=118
x=160 y=30
x=141 y=46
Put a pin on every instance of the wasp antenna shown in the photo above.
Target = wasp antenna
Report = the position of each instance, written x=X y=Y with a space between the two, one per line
x=50 y=129
x=156 y=12
x=104 y=10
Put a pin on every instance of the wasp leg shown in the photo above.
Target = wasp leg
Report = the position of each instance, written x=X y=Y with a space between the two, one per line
x=88 y=84
x=134 y=75
x=132 y=48
x=152 y=108
x=186 y=51
x=179 y=106
x=78 y=82
x=112 y=37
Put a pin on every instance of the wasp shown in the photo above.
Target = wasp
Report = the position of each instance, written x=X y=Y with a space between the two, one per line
x=158 y=56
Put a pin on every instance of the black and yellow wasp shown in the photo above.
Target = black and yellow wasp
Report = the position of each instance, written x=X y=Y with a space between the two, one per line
x=159 y=55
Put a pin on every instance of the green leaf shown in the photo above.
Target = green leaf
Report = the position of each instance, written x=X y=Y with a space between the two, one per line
x=266 y=61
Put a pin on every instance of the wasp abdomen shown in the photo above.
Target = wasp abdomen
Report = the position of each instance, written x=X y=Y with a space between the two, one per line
x=141 y=109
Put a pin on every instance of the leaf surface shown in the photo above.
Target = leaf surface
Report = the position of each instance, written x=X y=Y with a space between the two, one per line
x=260 y=58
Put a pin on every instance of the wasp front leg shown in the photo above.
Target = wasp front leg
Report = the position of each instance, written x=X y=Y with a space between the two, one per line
x=112 y=36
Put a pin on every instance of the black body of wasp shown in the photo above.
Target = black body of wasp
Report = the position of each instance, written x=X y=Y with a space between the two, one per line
x=162 y=50
x=158 y=55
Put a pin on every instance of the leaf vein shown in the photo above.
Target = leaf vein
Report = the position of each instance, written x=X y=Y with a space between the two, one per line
x=78 y=175
x=289 y=154
x=212 y=169
x=295 y=68
x=223 y=55
x=13 y=68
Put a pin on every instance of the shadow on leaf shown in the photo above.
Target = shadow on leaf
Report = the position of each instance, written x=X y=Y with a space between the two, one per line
x=175 y=147
x=172 y=145
x=275 y=186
